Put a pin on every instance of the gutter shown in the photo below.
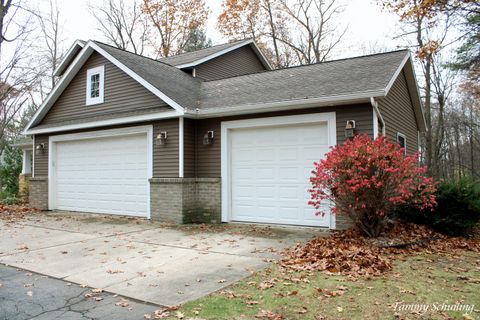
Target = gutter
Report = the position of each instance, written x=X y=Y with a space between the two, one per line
x=377 y=111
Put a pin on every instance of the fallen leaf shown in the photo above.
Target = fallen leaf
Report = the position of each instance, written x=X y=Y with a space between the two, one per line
x=29 y=293
x=339 y=309
x=251 y=302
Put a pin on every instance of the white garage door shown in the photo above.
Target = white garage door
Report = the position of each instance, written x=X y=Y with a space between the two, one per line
x=103 y=175
x=270 y=171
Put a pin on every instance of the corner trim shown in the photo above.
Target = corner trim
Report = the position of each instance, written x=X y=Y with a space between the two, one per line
x=180 y=147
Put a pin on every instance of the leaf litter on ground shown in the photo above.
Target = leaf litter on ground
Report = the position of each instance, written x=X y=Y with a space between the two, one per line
x=349 y=253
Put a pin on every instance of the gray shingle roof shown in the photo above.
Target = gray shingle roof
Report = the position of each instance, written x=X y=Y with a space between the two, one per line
x=327 y=79
x=190 y=57
x=176 y=84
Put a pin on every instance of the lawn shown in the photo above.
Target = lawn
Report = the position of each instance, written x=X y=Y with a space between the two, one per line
x=436 y=281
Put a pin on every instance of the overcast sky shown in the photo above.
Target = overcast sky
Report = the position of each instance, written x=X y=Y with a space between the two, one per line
x=367 y=25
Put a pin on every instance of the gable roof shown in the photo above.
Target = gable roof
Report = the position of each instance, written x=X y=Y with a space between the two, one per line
x=170 y=84
x=351 y=80
x=192 y=59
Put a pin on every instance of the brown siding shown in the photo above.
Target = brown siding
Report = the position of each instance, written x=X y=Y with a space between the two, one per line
x=235 y=63
x=189 y=148
x=41 y=160
x=208 y=156
x=398 y=114
x=165 y=157
x=122 y=94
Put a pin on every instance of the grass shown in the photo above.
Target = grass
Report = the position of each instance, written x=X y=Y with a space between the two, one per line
x=416 y=279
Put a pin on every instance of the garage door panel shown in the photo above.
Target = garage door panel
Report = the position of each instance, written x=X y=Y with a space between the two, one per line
x=103 y=175
x=270 y=170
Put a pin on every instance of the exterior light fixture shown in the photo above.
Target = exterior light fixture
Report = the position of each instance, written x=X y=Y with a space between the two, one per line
x=208 y=138
x=161 y=138
x=40 y=149
x=350 y=129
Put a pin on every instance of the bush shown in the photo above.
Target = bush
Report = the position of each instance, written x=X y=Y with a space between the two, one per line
x=10 y=171
x=457 y=211
x=366 y=179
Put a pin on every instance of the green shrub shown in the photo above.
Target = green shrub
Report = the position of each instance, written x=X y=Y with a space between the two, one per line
x=457 y=211
x=9 y=200
x=10 y=171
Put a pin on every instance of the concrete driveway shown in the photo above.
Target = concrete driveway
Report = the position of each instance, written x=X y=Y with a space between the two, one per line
x=140 y=259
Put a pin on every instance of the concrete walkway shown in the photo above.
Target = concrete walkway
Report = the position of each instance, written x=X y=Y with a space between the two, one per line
x=140 y=259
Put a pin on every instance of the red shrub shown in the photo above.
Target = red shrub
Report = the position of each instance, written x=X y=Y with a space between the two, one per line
x=365 y=179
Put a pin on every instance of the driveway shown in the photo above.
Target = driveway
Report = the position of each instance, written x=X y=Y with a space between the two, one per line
x=139 y=259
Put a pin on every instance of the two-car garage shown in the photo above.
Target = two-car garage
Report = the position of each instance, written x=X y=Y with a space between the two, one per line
x=265 y=165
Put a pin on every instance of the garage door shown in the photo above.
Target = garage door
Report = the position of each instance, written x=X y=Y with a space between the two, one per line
x=270 y=170
x=103 y=175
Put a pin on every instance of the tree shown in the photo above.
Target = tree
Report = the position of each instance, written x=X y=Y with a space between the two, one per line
x=367 y=179
x=316 y=32
x=124 y=26
x=49 y=49
x=174 y=21
x=10 y=171
x=197 y=41
x=292 y=31
x=16 y=77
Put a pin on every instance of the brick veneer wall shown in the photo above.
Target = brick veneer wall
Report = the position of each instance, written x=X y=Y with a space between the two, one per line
x=38 y=193
x=185 y=200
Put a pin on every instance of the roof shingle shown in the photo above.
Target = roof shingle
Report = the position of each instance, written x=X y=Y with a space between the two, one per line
x=328 y=79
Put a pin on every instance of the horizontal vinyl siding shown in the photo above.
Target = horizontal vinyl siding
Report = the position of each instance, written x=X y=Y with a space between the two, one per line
x=165 y=157
x=41 y=160
x=209 y=158
x=121 y=94
x=398 y=114
x=189 y=148
x=235 y=63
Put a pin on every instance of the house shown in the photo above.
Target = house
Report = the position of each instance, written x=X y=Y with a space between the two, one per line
x=209 y=136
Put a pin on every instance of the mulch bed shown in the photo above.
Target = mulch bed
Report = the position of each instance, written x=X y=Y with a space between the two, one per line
x=349 y=253
x=13 y=213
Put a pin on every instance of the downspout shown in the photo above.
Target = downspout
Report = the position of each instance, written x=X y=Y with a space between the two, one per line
x=377 y=111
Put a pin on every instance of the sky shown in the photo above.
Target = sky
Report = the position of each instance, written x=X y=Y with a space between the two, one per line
x=368 y=26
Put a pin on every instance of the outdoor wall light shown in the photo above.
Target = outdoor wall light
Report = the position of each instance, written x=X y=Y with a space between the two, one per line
x=350 y=129
x=39 y=149
x=161 y=138
x=208 y=138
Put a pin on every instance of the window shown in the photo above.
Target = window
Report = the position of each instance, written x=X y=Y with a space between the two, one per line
x=402 y=141
x=95 y=81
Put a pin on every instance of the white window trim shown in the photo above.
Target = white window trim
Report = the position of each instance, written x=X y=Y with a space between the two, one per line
x=52 y=154
x=404 y=138
x=101 y=71
x=227 y=126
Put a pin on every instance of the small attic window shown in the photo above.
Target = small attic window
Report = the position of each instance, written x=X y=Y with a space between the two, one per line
x=402 y=141
x=95 y=85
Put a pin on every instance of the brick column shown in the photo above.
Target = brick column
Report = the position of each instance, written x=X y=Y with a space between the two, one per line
x=38 y=193
x=185 y=200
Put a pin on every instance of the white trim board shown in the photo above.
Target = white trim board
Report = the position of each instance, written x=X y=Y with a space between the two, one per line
x=227 y=126
x=148 y=130
x=180 y=147
x=77 y=46
x=103 y=123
